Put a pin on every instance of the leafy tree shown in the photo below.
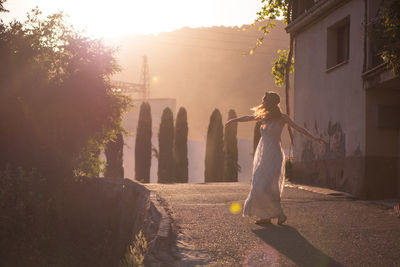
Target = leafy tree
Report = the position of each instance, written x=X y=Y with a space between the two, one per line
x=166 y=141
x=231 y=166
x=214 y=161
x=2 y=9
x=114 y=153
x=180 y=146
x=279 y=67
x=57 y=107
x=257 y=136
x=386 y=34
x=143 y=146
x=88 y=162
x=271 y=10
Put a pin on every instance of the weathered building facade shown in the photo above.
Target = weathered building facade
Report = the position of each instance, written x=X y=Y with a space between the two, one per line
x=344 y=93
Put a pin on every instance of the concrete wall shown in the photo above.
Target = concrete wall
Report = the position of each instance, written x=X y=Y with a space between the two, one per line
x=331 y=104
x=382 y=144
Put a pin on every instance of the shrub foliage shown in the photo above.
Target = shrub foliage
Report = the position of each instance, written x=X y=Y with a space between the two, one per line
x=214 y=161
x=385 y=34
x=181 y=147
x=143 y=144
x=114 y=154
x=231 y=166
x=166 y=141
x=57 y=107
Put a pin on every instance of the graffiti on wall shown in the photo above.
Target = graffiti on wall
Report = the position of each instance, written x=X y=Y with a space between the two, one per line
x=334 y=149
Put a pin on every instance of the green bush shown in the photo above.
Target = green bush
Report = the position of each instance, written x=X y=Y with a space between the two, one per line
x=231 y=166
x=166 y=143
x=181 y=147
x=143 y=144
x=57 y=107
x=134 y=257
x=214 y=161
x=114 y=154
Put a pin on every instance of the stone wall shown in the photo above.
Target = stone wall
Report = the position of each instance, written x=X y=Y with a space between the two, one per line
x=97 y=218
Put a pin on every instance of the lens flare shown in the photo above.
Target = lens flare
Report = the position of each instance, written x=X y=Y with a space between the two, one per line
x=156 y=79
x=235 y=208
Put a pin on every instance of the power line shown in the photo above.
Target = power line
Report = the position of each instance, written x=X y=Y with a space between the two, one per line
x=222 y=41
x=242 y=51
x=219 y=31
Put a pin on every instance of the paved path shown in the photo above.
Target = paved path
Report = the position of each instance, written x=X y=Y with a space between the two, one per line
x=322 y=230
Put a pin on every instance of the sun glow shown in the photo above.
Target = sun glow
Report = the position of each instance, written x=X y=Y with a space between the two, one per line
x=103 y=18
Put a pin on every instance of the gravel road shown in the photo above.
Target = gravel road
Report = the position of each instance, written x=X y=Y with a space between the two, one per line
x=322 y=230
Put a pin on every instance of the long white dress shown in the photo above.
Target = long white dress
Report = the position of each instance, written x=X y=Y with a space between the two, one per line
x=264 y=199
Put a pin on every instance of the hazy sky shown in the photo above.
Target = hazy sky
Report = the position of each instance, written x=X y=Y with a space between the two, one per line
x=116 y=17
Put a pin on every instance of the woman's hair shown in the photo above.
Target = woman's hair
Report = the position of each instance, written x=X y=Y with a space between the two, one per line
x=269 y=109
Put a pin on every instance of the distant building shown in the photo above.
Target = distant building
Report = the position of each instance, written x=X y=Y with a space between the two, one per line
x=344 y=93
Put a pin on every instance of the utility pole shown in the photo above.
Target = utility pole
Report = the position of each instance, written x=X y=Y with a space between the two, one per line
x=145 y=79
x=143 y=87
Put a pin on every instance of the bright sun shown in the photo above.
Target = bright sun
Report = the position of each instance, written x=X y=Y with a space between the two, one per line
x=110 y=18
x=105 y=18
x=102 y=18
x=119 y=18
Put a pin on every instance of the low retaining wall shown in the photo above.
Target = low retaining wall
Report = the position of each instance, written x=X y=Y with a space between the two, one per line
x=363 y=177
x=98 y=218
x=339 y=174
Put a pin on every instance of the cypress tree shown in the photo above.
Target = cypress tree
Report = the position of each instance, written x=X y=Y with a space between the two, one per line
x=114 y=156
x=143 y=144
x=214 y=161
x=180 y=146
x=166 y=141
x=257 y=136
x=231 y=166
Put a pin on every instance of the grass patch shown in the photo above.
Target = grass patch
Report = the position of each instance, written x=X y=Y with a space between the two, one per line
x=134 y=257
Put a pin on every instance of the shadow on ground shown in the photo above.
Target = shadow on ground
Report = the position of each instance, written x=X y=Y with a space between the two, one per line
x=288 y=241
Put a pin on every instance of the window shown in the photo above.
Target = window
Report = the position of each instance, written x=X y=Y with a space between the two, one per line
x=338 y=43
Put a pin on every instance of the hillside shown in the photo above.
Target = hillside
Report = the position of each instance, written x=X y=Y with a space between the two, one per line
x=204 y=69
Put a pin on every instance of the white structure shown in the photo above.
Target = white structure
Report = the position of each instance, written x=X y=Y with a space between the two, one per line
x=345 y=95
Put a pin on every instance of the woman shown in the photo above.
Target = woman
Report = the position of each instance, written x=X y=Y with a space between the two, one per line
x=264 y=199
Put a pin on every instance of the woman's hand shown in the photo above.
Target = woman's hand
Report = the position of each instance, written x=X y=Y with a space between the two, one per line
x=229 y=122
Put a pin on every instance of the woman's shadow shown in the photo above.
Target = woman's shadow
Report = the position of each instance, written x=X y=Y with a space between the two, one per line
x=289 y=242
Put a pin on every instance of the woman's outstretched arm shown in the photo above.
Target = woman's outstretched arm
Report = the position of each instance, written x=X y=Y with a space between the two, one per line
x=302 y=130
x=241 y=119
